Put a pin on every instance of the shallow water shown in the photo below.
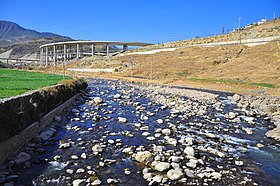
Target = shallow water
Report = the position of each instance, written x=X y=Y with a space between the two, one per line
x=261 y=165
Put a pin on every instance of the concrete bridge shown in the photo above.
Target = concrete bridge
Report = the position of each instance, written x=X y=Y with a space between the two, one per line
x=52 y=53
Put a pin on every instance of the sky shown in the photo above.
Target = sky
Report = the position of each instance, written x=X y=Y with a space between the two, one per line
x=153 y=21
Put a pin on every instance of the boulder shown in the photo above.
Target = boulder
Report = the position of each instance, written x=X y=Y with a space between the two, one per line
x=143 y=156
x=189 y=151
x=79 y=182
x=97 y=100
x=162 y=166
x=175 y=174
x=22 y=158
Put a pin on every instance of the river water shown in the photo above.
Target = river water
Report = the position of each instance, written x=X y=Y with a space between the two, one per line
x=99 y=124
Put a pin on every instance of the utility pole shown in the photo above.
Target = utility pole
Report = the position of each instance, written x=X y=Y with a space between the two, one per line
x=151 y=69
x=239 y=19
x=274 y=14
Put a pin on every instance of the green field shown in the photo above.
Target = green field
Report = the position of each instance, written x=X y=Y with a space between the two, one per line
x=15 y=82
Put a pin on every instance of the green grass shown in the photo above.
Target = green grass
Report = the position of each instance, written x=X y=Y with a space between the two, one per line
x=15 y=82
x=267 y=85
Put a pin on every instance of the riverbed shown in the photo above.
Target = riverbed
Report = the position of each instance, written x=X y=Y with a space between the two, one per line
x=131 y=134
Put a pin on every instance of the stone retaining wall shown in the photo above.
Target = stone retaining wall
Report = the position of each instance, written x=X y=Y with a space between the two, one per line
x=17 y=113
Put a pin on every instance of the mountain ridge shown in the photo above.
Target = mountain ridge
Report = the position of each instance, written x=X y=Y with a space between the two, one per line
x=11 y=33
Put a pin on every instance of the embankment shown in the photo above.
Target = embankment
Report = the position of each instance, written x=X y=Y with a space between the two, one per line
x=17 y=113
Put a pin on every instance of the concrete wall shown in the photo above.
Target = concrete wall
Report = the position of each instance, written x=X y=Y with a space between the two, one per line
x=17 y=113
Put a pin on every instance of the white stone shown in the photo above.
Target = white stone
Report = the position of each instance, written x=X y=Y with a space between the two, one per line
x=69 y=171
x=232 y=115
x=175 y=159
x=122 y=119
x=216 y=175
x=117 y=96
x=57 y=157
x=166 y=132
x=172 y=141
x=147 y=176
x=143 y=156
x=80 y=171
x=145 y=134
x=151 y=138
x=191 y=164
x=189 y=173
x=159 y=121
x=210 y=135
x=239 y=163
x=189 y=151
x=174 y=174
x=144 y=128
x=64 y=145
x=162 y=166
x=157 y=135
x=97 y=100
x=157 y=148
x=78 y=182
x=97 y=148
x=112 y=181
x=157 y=178
x=143 y=117
x=127 y=150
x=96 y=182
x=138 y=125
x=127 y=172
x=84 y=156
x=74 y=157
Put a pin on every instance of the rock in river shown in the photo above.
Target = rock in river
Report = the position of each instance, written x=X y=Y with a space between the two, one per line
x=22 y=157
x=122 y=119
x=189 y=151
x=143 y=157
x=174 y=174
x=97 y=100
x=162 y=166
x=78 y=182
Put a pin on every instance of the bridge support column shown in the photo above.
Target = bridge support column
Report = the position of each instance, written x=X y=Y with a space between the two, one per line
x=47 y=56
x=64 y=53
x=42 y=56
x=107 y=50
x=78 y=51
x=92 y=49
x=54 y=56
x=125 y=47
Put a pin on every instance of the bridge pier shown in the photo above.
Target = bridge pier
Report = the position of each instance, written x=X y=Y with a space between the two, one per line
x=47 y=56
x=54 y=56
x=42 y=56
x=78 y=52
x=125 y=47
x=107 y=49
x=92 y=49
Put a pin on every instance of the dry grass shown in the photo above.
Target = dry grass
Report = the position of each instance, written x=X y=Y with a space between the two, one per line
x=234 y=68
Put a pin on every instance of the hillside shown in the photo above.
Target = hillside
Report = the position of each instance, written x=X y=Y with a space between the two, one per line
x=268 y=29
x=18 y=42
x=11 y=33
x=236 y=67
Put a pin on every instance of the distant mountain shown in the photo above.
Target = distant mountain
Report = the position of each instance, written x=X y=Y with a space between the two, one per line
x=11 y=33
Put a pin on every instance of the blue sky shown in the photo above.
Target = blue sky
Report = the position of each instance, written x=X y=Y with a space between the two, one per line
x=130 y=20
